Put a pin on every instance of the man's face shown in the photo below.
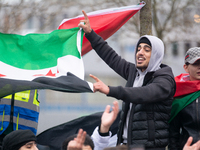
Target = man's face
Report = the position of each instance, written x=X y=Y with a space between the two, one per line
x=143 y=56
x=29 y=146
x=193 y=70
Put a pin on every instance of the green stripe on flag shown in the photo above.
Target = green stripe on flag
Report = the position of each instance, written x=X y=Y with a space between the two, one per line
x=181 y=102
x=39 y=51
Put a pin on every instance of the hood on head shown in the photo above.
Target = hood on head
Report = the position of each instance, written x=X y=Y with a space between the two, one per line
x=157 y=52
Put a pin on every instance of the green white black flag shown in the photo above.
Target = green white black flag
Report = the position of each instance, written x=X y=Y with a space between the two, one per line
x=41 y=58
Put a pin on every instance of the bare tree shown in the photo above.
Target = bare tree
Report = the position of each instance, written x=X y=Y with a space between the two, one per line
x=15 y=15
x=167 y=14
x=146 y=19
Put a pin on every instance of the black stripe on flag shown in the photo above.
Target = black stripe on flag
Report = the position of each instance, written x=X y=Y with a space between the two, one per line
x=55 y=136
x=69 y=83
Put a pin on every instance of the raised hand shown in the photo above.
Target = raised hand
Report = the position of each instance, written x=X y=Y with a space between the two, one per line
x=108 y=117
x=78 y=142
x=85 y=24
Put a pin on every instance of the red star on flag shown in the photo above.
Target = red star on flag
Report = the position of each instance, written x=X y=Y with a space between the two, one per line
x=48 y=74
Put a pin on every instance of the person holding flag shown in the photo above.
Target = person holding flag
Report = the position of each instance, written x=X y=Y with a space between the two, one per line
x=148 y=94
x=184 y=121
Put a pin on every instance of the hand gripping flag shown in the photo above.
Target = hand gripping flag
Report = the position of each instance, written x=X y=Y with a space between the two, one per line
x=104 y=22
x=42 y=61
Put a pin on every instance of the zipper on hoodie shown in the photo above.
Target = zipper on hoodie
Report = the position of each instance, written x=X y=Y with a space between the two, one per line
x=197 y=111
x=129 y=142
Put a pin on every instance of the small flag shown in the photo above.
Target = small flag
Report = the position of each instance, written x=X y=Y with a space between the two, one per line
x=181 y=102
x=104 y=22
x=186 y=92
x=184 y=86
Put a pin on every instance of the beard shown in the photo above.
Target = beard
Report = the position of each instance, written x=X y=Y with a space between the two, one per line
x=142 y=68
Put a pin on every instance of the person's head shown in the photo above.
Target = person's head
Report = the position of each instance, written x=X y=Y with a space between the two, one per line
x=192 y=63
x=149 y=53
x=88 y=144
x=20 y=140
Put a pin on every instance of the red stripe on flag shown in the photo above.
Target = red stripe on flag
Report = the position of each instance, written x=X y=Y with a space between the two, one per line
x=2 y=75
x=184 y=87
x=105 y=24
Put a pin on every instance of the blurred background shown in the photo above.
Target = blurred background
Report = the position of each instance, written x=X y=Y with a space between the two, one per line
x=176 y=22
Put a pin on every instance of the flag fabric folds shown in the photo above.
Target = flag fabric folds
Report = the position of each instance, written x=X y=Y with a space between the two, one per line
x=104 y=22
x=55 y=136
x=42 y=61
x=186 y=92
x=181 y=102
x=69 y=83
x=54 y=54
x=184 y=86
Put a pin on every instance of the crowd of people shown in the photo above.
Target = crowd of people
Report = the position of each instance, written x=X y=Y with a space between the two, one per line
x=152 y=118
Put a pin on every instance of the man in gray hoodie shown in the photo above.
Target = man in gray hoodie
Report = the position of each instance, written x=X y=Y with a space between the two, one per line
x=147 y=95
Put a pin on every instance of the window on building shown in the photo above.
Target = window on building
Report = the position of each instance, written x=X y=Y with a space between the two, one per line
x=198 y=44
x=188 y=17
x=30 y=22
x=197 y=15
x=187 y=46
x=53 y=22
x=18 y=21
x=42 y=23
x=6 y=23
x=175 y=48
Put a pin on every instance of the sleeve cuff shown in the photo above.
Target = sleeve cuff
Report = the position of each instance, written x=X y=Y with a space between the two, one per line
x=103 y=134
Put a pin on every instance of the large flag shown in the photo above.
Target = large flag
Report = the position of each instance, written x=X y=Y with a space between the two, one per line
x=54 y=137
x=42 y=61
x=104 y=22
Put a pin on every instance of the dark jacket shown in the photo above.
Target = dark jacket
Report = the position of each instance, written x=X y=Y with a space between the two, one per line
x=148 y=123
x=188 y=122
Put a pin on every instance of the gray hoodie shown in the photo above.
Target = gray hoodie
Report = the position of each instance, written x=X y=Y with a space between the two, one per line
x=157 y=53
x=159 y=95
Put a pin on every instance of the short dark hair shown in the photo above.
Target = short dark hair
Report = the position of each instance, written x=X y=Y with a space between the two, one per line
x=88 y=141
x=118 y=147
x=143 y=40
x=187 y=63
